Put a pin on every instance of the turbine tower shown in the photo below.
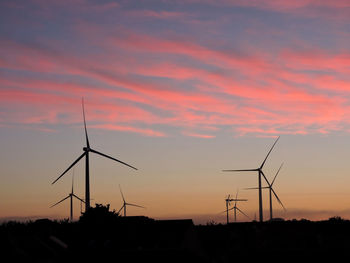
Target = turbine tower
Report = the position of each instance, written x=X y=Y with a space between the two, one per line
x=227 y=200
x=85 y=154
x=260 y=173
x=126 y=204
x=270 y=193
x=71 y=195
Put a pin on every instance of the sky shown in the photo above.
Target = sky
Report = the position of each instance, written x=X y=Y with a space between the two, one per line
x=180 y=89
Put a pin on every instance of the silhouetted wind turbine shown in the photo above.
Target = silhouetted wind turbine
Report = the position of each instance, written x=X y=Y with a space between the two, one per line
x=86 y=150
x=126 y=204
x=270 y=192
x=227 y=200
x=235 y=208
x=71 y=195
x=260 y=172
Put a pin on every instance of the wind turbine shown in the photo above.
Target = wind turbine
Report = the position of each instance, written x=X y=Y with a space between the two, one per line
x=85 y=154
x=126 y=204
x=271 y=191
x=234 y=208
x=227 y=200
x=260 y=173
x=71 y=195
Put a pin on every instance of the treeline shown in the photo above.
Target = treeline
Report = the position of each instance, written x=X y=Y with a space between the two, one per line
x=101 y=235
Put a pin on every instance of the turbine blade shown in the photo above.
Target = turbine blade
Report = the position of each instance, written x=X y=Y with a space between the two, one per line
x=242 y=170
x=122 y=193
x=269 y=153
x=273 y=191
x=135 y=205
x=60 y=201
x=276 y=174
x=104 y=155
x=86 y=135
x=242 y=212
x=121 y=208
x=236 y=198
x=227 y=210
x=73 y=181
x=267 y=181
x=255 y=188
x=77 y=197
x=77 y=160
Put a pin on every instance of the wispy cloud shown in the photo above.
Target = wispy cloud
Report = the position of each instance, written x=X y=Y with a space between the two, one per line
x=141 y=78
x=147 y=132
x=305 y=8
x=198 y=135
x=164 y=15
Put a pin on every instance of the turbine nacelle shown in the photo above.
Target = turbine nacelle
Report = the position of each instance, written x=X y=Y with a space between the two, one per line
x=86 y=149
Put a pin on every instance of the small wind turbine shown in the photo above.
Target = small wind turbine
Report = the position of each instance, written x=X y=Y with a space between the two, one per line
x=227 y=200
x=271 y=191
x=126 y=204
x=71 y=195
x=234 y=208
x=86 y=150
x=260 y=173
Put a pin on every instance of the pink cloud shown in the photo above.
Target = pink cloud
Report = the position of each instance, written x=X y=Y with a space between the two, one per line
x=46 y=107
x=145 y=43
x=158 y=14
x=267 y=132
x=197 y=135
x=147 y=132
x=306 y=8
x=281 y=5
x=317 y=60
x=281 y=97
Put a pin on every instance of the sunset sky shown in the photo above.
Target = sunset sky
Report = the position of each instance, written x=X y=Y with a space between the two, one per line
x=181 y=89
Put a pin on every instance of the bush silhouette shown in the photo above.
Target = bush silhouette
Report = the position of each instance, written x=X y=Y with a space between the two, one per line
x=336 y=219
x=99 y=214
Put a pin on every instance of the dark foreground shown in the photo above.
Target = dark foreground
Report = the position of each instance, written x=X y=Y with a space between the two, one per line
x=143 y=239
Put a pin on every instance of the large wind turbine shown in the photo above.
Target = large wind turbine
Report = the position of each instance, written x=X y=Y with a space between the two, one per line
x=234 y=208
x=85 y=154
x=272 y=191
x=260 y=173
x=126 y=204
x=71 y=195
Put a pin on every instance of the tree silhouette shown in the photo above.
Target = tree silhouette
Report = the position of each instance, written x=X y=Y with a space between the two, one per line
x=99 y=214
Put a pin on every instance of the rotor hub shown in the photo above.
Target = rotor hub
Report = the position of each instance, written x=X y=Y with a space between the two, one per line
x=86 y=149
